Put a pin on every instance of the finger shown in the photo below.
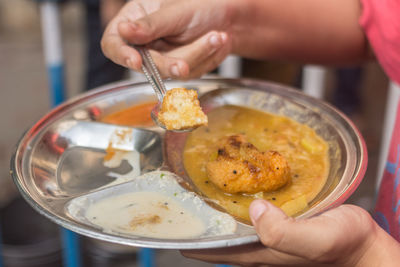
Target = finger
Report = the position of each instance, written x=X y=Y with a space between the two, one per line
x=178 y=62
x=156 y=25
x=170 y=66
x=319 y=238
x=134 y=10
x=119 y=52
x=114 y=47
x=197 y=52
x=212 y=62
x=161 y=45
x=247 y=255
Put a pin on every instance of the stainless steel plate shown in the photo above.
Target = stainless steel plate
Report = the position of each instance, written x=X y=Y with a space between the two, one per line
x=60 y=158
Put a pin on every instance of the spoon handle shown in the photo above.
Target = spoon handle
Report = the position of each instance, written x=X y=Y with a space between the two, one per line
x=151 y=72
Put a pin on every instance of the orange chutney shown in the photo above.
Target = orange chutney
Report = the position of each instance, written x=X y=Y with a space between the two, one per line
x=138 y=115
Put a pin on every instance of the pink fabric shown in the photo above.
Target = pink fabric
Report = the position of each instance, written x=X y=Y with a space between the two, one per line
x=380 y=20
x=387 y=210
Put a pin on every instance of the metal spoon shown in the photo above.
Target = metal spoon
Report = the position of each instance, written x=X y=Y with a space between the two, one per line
x=154 y=78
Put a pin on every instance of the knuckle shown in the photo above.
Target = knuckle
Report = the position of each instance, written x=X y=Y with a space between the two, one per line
x=272 y=236
x=360 y=217
x=148 y=28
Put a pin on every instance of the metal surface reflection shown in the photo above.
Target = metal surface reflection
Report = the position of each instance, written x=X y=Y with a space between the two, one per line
x=62 y=157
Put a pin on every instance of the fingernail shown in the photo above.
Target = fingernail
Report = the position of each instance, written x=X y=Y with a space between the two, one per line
x=175 y=71
x=257 y=208
x=215 y=40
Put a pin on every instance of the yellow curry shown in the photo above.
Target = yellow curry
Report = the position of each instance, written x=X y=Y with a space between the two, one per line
x=305 y=151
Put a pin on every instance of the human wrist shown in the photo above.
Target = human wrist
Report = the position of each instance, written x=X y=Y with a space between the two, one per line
x=238 y=11
x=249 y=26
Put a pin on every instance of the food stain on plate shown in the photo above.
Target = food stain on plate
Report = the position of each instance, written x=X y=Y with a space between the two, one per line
x=149 y=214
x=152 y=205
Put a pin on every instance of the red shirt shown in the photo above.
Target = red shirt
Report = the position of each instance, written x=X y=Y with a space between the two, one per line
x=380 y=20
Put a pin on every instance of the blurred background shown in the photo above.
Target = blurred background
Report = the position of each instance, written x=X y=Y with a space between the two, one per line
x=359 y=91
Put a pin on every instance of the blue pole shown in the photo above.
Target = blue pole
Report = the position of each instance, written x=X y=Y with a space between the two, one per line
x=146 y=257
x=56 y=83
x=222 y=265
x=71 y=248
x=55 y=67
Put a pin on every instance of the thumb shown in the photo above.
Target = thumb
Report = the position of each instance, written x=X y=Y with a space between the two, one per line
x=305 y=238
x=157 y=25
x=270 y=222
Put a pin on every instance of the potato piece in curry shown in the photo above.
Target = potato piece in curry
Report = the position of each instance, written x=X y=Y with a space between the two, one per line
x=240 y=167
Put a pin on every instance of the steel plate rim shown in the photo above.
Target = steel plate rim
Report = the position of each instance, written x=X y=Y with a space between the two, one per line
x=171 y=244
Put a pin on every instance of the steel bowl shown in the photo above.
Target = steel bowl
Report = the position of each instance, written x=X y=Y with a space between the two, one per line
x=56 y=159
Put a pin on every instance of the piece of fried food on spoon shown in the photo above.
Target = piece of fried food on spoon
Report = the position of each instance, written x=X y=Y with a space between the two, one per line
x=181 y=110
